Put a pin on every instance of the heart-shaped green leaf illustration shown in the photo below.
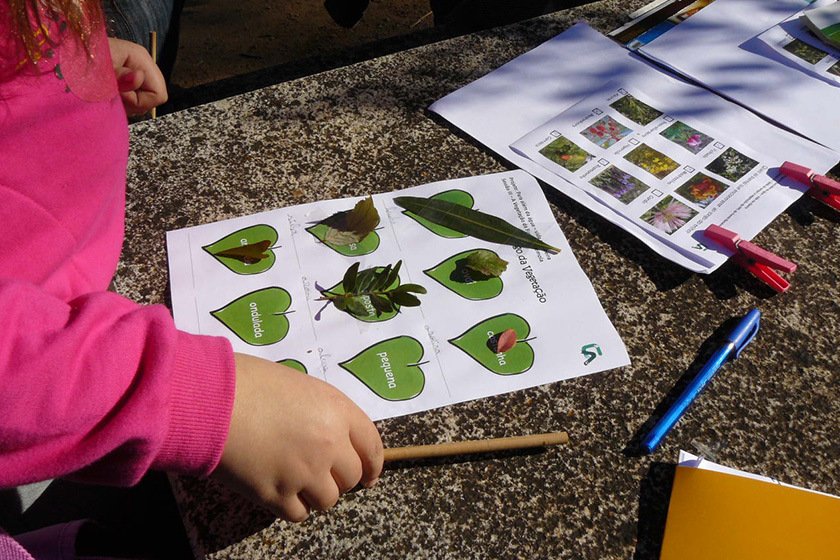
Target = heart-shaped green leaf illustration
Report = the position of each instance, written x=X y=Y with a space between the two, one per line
x=474 y=342
x=258 y=318
x=369 y=315
x=294 y=364
x=390 y=368
x=245 y=236
x=454 y=274
x=456 y=196
x=366 y=246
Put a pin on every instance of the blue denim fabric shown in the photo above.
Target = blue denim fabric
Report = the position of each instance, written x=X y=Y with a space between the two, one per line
x=133 y=20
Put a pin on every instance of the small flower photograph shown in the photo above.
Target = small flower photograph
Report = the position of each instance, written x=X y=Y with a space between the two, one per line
x=732 y=165
x=605 y=132
x=806 y=52
x=566 y=153
x=635 y=110
x=701 y=190
x=653 y=161
x=619 y=184
x=689 y=138
x=669 y=215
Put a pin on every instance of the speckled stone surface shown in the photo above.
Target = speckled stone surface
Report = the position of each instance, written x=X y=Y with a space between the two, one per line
x=363 y=129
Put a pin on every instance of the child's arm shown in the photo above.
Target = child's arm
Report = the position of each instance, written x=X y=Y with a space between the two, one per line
x=295 y=442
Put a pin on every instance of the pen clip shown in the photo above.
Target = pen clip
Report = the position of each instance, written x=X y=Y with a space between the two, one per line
x=745 y=339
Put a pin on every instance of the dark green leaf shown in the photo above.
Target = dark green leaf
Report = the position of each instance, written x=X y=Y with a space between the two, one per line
x=364 y=279
x=381 y=304
x=471 y=222
x=349 y=281
x=405 y=288
x=356 y=306
x=340 y=303
x=403 y=298
x=394 y=275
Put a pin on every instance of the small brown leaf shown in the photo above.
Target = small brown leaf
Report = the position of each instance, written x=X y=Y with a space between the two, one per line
x=249 y=254
x=506 y=340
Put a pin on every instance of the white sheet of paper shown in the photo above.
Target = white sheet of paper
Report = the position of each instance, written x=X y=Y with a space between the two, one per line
x=515 y=99
x=651 y=161
x=687 y=459
x=720 y=48
x=815 y=57
x=423 y=357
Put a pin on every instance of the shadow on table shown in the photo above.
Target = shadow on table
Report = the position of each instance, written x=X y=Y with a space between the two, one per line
x=654 y=495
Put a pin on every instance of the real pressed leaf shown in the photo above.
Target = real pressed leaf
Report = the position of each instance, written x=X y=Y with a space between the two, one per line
x=471 y=222
x=404 y=298
x=356 y=306
x=381 y=304
x=506 y=340
x=349 y=281
x=252 y=252
x=486 y=263
x=352 y=226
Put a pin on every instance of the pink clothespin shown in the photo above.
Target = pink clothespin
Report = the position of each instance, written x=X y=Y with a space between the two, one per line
x=752 y=257
x=822 y=188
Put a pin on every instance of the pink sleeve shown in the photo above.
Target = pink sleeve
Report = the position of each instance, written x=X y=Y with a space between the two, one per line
x=106 y=389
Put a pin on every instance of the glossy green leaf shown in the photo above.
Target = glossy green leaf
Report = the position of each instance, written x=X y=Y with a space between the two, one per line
x=486 y=263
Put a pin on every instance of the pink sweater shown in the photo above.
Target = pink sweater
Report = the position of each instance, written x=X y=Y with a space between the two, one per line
x=93 y=385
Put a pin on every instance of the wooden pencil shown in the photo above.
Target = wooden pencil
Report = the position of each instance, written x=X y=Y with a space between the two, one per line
x=477 y=446
x=153 y=42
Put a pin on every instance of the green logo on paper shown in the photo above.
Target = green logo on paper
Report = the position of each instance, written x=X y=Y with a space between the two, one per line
x=589 y=352
x=390 y=368
x=455 y=196
x=258 y=318
x=246 y=236
x=454 y=274
x=478 y=341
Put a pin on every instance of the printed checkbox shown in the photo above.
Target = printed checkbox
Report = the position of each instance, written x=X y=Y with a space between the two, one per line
x=719 y=145
x=668 y=118
x=656 y=192
x=604 y=162
x=689 y=169
x=634 y=141
x=555 y=134
x=597 y=111
x=622 y=91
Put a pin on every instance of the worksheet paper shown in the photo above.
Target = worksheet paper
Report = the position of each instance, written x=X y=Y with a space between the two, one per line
x=794 y=43
x=510 y=102
x=422 y=357
x=720 y=48
x=672 y=175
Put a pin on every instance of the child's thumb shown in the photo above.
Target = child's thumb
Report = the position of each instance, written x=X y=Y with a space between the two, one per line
x=129 y=80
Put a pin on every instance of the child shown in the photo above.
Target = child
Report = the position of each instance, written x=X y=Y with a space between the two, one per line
x=96 y=387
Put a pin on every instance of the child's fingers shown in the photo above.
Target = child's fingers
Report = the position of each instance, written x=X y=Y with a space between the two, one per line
x=347 y=472
x=320 y=495
x=368 y=445
x=293 y=509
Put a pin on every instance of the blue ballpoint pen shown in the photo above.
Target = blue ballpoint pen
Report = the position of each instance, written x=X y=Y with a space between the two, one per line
x=735 y=342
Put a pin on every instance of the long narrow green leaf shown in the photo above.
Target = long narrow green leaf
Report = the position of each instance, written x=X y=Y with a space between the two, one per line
x=471 y=222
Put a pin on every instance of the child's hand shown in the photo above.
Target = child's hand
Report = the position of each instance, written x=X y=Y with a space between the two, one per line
x=295 y=442
x=140 y=81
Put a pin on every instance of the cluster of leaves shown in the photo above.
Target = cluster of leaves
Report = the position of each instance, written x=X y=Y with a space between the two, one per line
x=374 y=284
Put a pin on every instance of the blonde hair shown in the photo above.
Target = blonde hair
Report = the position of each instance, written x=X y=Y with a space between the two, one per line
x=27 y=19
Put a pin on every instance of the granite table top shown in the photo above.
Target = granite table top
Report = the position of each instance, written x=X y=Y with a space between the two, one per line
x=363 y=129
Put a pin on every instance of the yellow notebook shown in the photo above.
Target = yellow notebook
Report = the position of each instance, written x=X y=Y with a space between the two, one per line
x=719 y=516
